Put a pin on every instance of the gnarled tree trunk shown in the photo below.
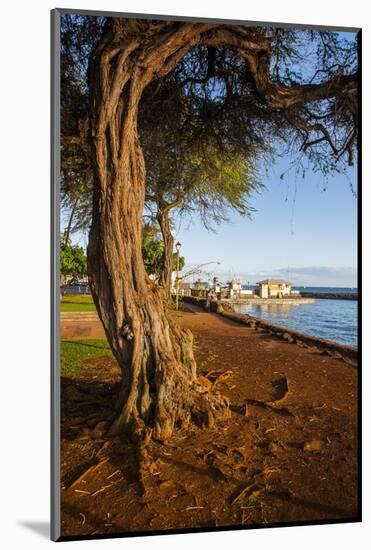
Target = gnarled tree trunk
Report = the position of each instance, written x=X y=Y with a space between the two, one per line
x=159 y=384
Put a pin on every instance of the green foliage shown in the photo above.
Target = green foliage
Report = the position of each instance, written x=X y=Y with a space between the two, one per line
x=77 y=303
x=223 y=183
x=75 y=352
x=194 y=165
x=72 y=260
x=181 y=262
x=153 y=252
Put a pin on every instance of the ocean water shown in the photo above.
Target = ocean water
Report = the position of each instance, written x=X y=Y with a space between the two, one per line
x=334 y=320
x=339 y=290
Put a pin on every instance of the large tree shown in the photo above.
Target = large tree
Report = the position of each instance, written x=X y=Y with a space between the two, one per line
x=159 y=387
x=198 y=159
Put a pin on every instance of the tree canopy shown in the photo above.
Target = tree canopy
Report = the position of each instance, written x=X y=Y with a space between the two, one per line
x=210 y=103
x=195 y=176
x=73 y=263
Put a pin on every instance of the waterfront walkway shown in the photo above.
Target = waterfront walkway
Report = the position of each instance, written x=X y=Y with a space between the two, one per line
x=80 y=324
x=288 y=452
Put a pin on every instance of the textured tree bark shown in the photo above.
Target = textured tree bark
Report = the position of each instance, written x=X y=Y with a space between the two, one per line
x=167 y=236
x=159 y=388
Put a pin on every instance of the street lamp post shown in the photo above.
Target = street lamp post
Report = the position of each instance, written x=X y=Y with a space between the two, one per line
x=177 y=246
x=196 y=271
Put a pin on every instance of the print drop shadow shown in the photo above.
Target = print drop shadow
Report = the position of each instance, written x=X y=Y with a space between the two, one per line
x=41 y=528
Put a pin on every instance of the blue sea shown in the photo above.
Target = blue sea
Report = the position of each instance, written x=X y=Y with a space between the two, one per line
x=334 y=320
x=339 y=290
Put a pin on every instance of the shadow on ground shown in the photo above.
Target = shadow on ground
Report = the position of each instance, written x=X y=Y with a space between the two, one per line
x=41 y=528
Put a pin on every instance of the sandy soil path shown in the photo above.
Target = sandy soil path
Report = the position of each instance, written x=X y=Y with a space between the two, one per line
x=289 y=452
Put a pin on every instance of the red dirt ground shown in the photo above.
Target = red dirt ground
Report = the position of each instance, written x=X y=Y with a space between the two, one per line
x=288 y=453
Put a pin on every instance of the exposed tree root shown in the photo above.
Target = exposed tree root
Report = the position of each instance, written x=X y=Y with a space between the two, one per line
x=141 y=439
x=283 y=411
x=89 y=470
x=165 y=395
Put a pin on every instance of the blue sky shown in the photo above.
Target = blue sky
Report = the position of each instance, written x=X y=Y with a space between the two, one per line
x=311 y=239
x=300 y=231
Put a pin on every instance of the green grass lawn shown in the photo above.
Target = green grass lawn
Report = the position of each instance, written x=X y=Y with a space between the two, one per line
x=74 y=353
x=77 y=303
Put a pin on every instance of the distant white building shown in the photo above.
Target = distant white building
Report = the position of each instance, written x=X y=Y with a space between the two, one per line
x=234 y=287
x=274 y=288
x=216 y=285
x=236 y=291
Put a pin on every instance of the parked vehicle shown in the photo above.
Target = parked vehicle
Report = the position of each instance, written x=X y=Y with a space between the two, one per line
x=76 y=288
